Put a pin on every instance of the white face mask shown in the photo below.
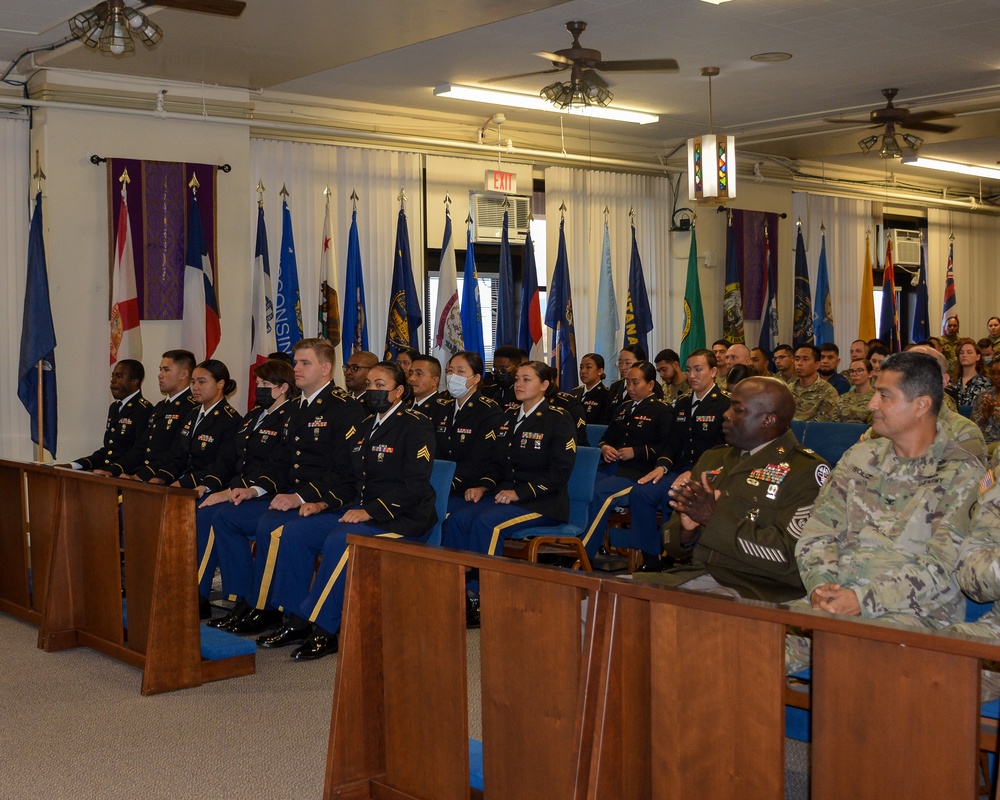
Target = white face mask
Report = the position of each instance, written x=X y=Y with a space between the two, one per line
x=457 y=385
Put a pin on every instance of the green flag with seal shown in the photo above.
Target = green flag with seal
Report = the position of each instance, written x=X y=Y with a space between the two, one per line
x=693 y=336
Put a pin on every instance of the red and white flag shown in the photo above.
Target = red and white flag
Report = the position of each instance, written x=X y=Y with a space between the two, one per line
x=201 y=330
x=262 y=339
x=126 y=340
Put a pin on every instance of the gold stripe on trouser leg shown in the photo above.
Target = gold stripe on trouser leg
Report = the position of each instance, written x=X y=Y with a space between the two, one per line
x=601 y=513
x=272 y=557
x=507 y=524
x=329 y=586
x=208 y=552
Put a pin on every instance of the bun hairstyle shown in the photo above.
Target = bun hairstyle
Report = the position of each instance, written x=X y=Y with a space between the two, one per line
x=277 y=372
x=544 y=373
x=648 y=370
x=398 y=376
x=219 y=372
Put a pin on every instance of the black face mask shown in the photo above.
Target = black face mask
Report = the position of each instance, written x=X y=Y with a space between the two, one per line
x=377 y=400
x=263 y=397
x=503 y=379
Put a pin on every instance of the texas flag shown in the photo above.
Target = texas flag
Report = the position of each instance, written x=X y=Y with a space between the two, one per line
x=201 y=329
x=126 y=340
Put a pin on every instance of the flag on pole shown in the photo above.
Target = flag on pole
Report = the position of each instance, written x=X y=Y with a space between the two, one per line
x=802 y=320
x=823 y=316
x=607 y=307
x=262 y=342
x=38 y=342
x=505 y=332
x=529 y=329
x=200 y=328
x=693 y=335
x=288 y=313
x=732 y=301
x=921 y=319
x=866 y=319
x=448 y=326
x=354 y=336
x=638 y=317
x=404 y=307
x=768 y=339
x=472 y=314
x=889 y=324
x=559 y=317
x=950 y=300
x=329 y=299
x=126 y=339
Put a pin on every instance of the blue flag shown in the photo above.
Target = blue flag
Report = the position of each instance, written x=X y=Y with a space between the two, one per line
x=732 y=300
x=38 y=340
x=472 y=314
x=606 y=340
x=559 y=317
x=288 y=306
x=802 y=319
x=888 y=329
x=404 y=306
x=354 y=328
x=529 y=329
x=505 y=332
x=769 y=319
x=823 y=316
x=921 y=313
x=638 y=317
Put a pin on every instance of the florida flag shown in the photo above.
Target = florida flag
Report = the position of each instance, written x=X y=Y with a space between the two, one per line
x=126 y=340
x=200 y=330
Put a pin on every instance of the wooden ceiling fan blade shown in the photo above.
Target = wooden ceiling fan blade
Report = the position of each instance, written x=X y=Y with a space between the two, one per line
x=639 y=65
x=524 y=75
x=927 y=116
x=555 y=58
x=225 y=8
x=843 y=121
x=933 y=127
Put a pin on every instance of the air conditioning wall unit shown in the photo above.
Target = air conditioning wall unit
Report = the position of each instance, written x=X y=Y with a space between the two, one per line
x=487 y=217
x=905 y=247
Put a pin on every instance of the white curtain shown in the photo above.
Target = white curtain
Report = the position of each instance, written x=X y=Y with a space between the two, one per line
x=15 y=204
x=586 y=193
x=377 y=176
x=977 y=290
x=846 y=220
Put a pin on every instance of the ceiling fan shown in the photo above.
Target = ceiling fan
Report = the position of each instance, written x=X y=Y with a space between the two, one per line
x=900 y=117
x=586 y=86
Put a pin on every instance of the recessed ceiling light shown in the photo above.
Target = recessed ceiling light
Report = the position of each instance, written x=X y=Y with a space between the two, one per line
x=771 y=57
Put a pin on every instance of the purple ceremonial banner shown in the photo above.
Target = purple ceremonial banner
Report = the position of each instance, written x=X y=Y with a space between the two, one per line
x=748 y=230
x=158 y=202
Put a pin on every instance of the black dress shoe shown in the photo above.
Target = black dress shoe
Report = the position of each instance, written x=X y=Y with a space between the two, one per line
x=257 y=621
x=471 y=610
x=237 y=614
x=284 y=636
x=316 y=646
x=204 y=609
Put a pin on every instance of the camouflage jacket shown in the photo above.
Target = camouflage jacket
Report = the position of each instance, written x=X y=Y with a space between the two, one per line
x=890 y=528
x=853 y=407
x=979 y=559
x=961 y=431
x=816 y=402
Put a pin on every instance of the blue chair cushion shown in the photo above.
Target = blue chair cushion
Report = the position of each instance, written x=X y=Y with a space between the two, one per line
x=476 y=764
x=217 y=645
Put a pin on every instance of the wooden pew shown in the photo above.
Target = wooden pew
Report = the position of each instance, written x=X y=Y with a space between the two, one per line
x=113 y=567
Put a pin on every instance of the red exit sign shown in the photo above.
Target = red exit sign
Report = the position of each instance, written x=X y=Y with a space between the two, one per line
x=497 y=181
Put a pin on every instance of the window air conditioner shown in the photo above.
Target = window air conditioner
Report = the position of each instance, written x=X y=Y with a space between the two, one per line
x=906 y=247
x=487 y=217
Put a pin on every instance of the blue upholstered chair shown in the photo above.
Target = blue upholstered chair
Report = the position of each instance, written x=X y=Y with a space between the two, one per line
x=442 y=474
x=595 y=433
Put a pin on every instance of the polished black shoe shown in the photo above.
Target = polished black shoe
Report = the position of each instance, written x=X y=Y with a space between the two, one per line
x=316 y=646
x=284 y=636
x=471 y=610
x=236 y=615
x=204 y=609
x=257 y=621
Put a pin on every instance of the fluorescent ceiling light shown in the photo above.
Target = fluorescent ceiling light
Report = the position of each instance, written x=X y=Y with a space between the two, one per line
x=952 y=166
x=536 y=103
x=715 y=2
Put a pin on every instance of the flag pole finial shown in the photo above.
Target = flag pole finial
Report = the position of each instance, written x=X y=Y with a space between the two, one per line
x=730 y=215
x=562 y=210
x=326 y=194
x=39 y=176
x=506 y=202
x=284 y=191
x=354 y=198
x=531 y=215
x=607 y=213
x=631 y=215
x=822 y=228
x=260 y=193
x=798 y=223
x=124 y=180
x=447 y=202
x=468 y=219
x=193 y=184
x=401 y=197
x=951 y=236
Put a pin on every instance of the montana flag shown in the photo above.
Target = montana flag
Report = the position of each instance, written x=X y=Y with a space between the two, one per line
x=802 y=319
x=472 y=314
x=354 y=334
x=823 y=315
x=889 y=324
x=505 y=331
x=950 y=300
x=768 y=339
x=529 y=329
x=559 y=317
x=693 y=335
x=732 y=301
x=200 y=328
x=866 y=319
x=262 y=306
x=329 y=299
x=288 y=308
x=606 y=339
x=921 y=321
x=126 y=340
x=38 y=341
x=448 y=325
x=404 y=306
x=638 y=317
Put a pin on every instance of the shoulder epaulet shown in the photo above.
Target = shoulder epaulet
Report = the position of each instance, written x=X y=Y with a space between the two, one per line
x=414 y=413
x=556 y=408
x=444 y=399
x=486 y=401
x=232 y=412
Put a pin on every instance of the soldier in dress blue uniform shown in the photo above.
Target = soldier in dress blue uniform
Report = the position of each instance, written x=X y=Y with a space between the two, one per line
x=697 y=427
x=257 y=442
x=153 y=447
x=465 y=427
x=312 y=466
x=391 y=455
x=592 y=393
x=203 y=456
x=128 y=416
x=424 y=378
x=627 y=357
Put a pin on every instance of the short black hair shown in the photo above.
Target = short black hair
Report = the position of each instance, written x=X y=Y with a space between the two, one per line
x=667 y=355
x=920 y=374
x=435 y=365
x=281 y=356
x=713 y=362
x=814 y=348
x=134 y=369
x=510 y=352
x=473 y=359
x=787 y=347
x=635 y=349
x=829 y=347
x=183 y=358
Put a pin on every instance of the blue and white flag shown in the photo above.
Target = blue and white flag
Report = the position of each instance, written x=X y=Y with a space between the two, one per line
x=606 y=339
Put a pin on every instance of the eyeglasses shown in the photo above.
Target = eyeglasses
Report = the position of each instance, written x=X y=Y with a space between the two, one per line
x=354 y=367
x=626 y=363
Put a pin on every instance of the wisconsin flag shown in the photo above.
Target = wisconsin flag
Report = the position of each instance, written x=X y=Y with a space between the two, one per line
x=126 y=340
x=404 y=307
x=448 y=324
x=529 y=331
x=200 y=329
x=262 y=342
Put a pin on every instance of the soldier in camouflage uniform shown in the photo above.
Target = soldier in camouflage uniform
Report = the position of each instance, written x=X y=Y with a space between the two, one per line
x=884 y=539
x=949 y=342
x=853 y=406
x=815 y=399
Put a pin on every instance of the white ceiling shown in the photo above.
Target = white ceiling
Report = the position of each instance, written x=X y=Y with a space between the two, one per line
x=939 y=53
